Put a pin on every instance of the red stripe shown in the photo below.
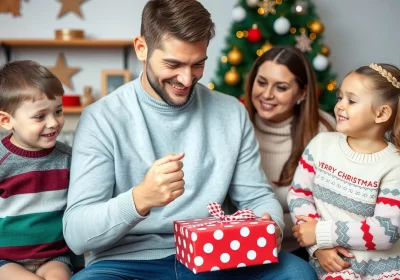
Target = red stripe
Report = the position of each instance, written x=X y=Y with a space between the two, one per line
x=389 y=201
x=314 y=216
x=34 y=182
x=367 y=236
x=307 y=166
x=42 y=251
x=306 y=193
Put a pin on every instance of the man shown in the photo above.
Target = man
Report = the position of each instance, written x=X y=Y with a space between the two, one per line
x=159 y=149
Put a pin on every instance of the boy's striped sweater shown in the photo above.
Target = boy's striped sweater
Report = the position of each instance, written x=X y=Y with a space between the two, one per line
x=33 y=196
x=356 y=198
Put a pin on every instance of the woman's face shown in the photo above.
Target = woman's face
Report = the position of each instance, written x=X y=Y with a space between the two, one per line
x=275 y=92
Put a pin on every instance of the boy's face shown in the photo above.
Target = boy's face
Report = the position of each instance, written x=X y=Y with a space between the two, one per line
x=36 y=124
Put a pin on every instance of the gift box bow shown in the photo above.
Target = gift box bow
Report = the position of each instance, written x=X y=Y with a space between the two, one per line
x=216 y=211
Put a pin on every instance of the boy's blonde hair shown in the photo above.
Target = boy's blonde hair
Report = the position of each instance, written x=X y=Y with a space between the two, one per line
x=26 y=80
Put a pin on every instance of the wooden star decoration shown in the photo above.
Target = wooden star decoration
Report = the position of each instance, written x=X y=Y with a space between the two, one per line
x=71 y=6
x=268 y=6
x=62 y=72
x=303 y=43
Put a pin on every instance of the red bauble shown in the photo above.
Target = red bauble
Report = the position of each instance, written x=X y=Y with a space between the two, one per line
x=254 y=35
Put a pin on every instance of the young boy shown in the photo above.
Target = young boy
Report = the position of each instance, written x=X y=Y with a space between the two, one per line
x=34 y=174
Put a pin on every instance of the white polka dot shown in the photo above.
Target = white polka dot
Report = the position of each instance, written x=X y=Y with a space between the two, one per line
x=183 y=253
x=218 y=234
x=176 y=227
x=202 y=228
x=186 y=264
x=267 y=262
x=208 y=248
x=179 y=240
x=184 y=244
x=194 y=236
x=225 y=258
x=228 y=226
x=188 y=258
x=275 y=252
x=241 y=265
x=197 y=219
x=214 y=268
x=191 y=248
x=181 y=230
x=253 y=223
x=187 y=234
x=234 y=223
x=244 y=231
x=177 y=251
x=194 y=270
x=235 y=245
x=261 y=242
x=198 y=261
x=271 y=229
x=251 y=255
x=211 y=225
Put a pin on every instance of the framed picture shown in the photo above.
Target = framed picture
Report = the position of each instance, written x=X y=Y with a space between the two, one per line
x=112 y=79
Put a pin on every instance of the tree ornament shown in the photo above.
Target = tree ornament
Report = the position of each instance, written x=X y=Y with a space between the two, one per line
x=11 y=6
x=325 y=50
x=317 y=27
x=320 y=62
x=266 y=47
x=281 y=26
x=252 y=3
x=267 y=7
x=300 y=8
x=235 y=57
x=238 y=14
x=303 y=43
x=232 y=77
x=254 y=34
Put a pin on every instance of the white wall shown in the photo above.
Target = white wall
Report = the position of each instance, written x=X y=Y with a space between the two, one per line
x=357 y=31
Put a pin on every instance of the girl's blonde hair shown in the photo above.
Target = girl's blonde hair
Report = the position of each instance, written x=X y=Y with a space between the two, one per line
x=385 y=82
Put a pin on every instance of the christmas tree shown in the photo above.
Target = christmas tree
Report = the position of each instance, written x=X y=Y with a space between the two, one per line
x=260 y=24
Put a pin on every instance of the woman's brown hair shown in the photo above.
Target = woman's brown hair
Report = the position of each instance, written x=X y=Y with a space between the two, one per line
x=306 y=117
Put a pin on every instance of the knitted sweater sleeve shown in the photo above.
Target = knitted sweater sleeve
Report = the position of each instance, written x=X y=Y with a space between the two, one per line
x=379 y=232
x=300 y=197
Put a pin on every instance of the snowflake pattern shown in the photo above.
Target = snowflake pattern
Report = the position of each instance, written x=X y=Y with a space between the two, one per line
x=303 y=43
x=268 y=6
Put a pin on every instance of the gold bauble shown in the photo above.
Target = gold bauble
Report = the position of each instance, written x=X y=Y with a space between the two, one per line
x=235 y=57
x=266 y=47
x=232 y=77
x=317 y=27
x=325 y=50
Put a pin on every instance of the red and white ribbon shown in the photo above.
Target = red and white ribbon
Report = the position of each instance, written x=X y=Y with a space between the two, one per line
x=241 y=215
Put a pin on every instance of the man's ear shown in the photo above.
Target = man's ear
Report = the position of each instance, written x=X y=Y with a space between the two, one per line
x=383 y=114
x=5 y=120
x=140 y=48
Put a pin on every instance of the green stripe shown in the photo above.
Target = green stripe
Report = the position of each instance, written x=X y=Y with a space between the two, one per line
x=31 y=229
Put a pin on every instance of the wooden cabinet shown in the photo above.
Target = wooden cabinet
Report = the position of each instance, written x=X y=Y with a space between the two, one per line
x=9 y=44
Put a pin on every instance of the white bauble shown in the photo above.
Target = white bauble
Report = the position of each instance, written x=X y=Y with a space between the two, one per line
x=252 y=3
x=281 y=26
x=238 y=13
x=320 y=62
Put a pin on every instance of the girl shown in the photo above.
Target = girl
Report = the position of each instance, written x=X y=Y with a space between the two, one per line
x=349 y=182
x=282 y=102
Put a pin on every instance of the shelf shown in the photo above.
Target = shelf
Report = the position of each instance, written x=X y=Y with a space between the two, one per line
x=72 y=110
x=8 y=44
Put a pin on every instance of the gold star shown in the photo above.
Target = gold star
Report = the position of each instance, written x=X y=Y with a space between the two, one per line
x=71 y=6
x=62 y=72
x=267 y=6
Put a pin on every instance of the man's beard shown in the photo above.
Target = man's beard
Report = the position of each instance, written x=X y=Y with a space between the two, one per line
x=153 y=82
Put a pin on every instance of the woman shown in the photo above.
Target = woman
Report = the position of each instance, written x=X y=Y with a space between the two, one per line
x=281 y=98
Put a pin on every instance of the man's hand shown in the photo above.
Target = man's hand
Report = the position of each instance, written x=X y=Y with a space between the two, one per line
x=278 y=238
x=305 y=232
x=162 y=184
x=330 y=260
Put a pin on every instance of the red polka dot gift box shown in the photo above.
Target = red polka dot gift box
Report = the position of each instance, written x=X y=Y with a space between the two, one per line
x=225 y=241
